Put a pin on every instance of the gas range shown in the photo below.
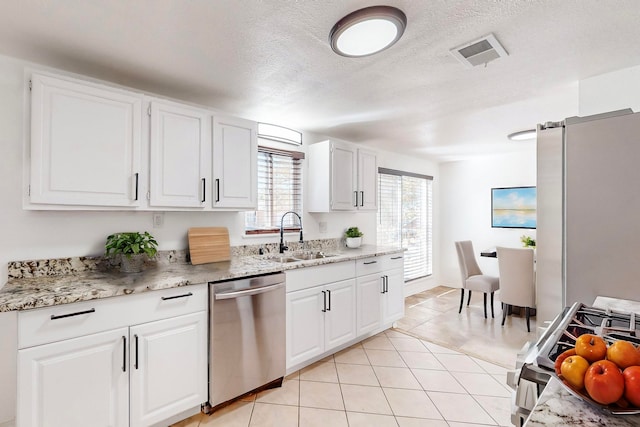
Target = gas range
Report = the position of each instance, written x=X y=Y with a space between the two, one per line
x=535 y=362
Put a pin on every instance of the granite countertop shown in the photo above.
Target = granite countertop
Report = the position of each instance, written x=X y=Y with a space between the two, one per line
x=559 y=408
x=81 y=279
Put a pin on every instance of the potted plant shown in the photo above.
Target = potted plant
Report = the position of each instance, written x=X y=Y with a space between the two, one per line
x=528 y=242
x=353 y=237
x=133 y=247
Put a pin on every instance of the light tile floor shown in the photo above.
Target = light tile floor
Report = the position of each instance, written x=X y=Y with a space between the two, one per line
x=391 y=379
x=433 y=316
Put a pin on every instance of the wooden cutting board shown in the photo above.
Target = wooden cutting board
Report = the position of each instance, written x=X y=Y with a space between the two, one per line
x=209 y=244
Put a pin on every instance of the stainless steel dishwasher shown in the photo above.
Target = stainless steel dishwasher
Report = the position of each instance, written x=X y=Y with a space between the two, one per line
x=246 y=336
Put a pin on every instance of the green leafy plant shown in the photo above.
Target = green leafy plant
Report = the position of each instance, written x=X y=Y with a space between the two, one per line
x=528 y=242
x=353 y=232
x=132 y=243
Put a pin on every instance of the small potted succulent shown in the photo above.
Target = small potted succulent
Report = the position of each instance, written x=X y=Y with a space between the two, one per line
x=353 y=237
x=528 y=242
x=134 y=249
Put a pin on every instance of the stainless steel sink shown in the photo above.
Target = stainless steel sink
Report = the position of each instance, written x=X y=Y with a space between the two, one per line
x=312 y=255
x=285 y=259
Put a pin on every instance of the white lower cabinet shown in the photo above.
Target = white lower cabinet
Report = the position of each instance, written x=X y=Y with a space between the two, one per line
x=76 y=382
x=370 y=291
x=319 y=319
x=332 y=305
x=149 y=366
x=393 y=297
x=168 y=359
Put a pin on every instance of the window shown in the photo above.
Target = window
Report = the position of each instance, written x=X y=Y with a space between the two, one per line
x=405 y=218
x=279 y=191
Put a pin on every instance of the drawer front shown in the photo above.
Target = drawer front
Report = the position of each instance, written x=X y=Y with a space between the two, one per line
x=308 y=277
x=51 y=324
x=393 y=261
x=369 y=265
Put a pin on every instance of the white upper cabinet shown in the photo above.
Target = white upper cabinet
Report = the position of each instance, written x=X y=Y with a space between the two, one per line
x=180 y=155
x=341 y=178
x=367 y=180
x=235 y=163
x=85 y=143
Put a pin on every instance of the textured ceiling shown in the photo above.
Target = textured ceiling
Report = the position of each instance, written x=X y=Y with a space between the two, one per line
x=269 y=60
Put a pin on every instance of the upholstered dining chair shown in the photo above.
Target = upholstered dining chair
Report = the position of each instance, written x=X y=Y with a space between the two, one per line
x=472 y=277
x=517 y=280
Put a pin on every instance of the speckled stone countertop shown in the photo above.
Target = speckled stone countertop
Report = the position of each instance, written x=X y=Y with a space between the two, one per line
x=559 y=408
x=34 y=284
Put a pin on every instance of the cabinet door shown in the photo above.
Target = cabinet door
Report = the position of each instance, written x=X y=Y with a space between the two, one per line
x=75 y=383
x=168 y=367
x=367 y=180
x=180 y=144
x=343 y=177
x=235 y=163
x=393 y=301
x=305 y=325
x=340 y=317
x=369 y=299
x=85 y=144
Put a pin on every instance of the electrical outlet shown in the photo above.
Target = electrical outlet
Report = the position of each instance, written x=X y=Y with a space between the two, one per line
x=322 y=225
x=158 y=220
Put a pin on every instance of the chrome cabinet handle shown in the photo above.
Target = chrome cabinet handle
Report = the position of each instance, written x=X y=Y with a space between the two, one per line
x=356 y=194
x=370 y=262
x=188 y=294
x=362 y=198
x=217 y=189
x=396 y=257
x=136 y=362
x=324 y=300
x=249 y=292
x=204 y=189
x=78 y=313
x=124 y=354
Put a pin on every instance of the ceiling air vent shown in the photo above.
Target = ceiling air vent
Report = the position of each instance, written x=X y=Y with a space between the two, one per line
x=479 y=52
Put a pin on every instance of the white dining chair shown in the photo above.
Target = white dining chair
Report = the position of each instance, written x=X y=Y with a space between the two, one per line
x=472 y=277
x=517 y=280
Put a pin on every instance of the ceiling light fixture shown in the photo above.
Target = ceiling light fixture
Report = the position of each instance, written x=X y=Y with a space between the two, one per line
x=522 y=135
x=367 y=31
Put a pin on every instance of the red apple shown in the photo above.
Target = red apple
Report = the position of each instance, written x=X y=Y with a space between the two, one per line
x=591 y=347
x=623 y=354
x=632 y=385
x=604 y=382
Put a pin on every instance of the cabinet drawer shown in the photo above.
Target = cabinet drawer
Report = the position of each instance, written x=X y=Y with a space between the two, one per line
x=308 y=277
x=369 y=265
x=393 y=261
x=50 y=324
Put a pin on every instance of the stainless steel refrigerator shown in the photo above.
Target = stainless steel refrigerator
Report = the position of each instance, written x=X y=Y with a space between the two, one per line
x=588 y=225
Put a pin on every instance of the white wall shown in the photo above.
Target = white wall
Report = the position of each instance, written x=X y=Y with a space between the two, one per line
x=465 y=207
x=609 y=92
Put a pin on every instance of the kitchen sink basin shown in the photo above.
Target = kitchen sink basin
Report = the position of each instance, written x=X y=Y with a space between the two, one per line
x=312 y=255
x=285 y=259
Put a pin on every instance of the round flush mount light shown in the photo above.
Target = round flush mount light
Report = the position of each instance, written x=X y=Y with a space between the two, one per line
x=522 y=135
x=367 y=31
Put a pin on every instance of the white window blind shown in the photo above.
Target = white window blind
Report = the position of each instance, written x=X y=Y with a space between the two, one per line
x=279 y=191
x=405 y=218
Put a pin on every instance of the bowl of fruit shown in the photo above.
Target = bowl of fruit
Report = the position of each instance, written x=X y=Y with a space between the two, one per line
x=605 y=374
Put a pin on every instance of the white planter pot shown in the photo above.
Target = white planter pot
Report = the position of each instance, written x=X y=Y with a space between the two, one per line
x=354 y=242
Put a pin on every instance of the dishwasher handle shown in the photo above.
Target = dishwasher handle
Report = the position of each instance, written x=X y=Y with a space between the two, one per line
x=249 y=292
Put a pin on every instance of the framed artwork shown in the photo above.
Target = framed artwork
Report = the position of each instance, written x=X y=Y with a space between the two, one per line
x=513 y=207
